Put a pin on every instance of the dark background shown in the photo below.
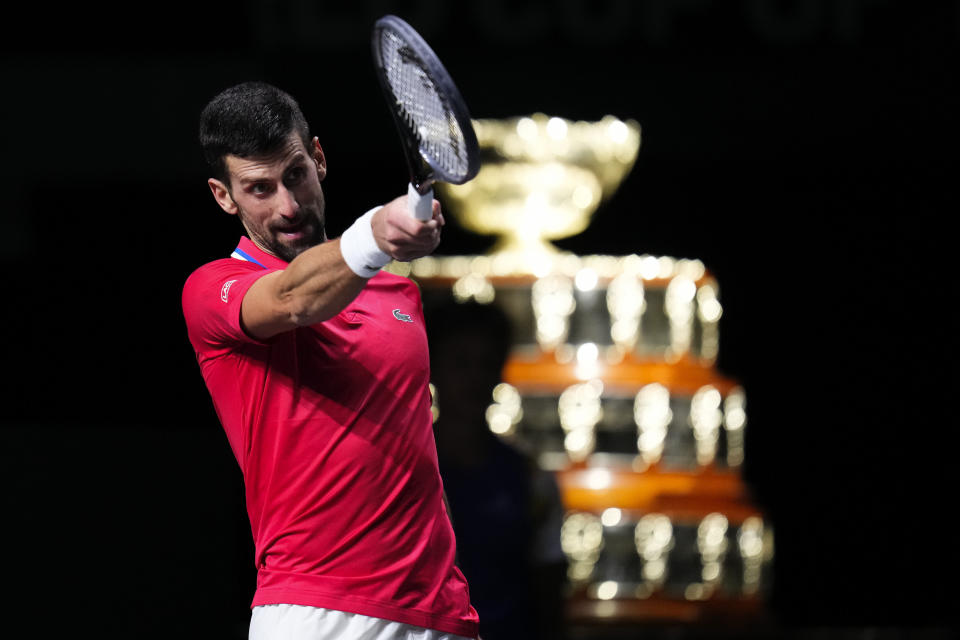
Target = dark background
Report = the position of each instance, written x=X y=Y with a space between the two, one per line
x=803 y=150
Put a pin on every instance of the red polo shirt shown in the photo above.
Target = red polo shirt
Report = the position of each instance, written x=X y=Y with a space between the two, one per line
x=332 y=429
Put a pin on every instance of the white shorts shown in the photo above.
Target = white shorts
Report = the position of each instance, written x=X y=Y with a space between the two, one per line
x=297 y=622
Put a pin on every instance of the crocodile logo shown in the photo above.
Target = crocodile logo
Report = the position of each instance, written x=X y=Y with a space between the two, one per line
x=401 y=316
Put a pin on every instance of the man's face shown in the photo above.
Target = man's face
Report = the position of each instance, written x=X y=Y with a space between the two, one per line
x=278 y=197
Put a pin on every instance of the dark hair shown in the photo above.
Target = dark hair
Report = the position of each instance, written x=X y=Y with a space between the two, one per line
x=248 y=120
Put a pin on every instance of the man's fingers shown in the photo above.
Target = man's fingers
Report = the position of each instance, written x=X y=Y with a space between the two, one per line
x=403 y=236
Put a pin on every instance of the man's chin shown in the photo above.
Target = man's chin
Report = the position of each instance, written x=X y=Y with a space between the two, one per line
x=289 y=248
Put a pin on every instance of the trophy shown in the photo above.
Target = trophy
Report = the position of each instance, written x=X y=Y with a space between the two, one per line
x=610 y=384
x=542 y=179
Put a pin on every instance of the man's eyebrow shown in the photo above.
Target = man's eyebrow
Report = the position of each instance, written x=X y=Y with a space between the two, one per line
x=297 y=158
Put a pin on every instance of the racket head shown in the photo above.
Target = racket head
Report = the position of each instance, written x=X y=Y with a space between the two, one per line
x=430 y=114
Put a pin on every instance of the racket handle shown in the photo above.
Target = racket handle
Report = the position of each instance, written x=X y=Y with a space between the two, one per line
x=421 y=206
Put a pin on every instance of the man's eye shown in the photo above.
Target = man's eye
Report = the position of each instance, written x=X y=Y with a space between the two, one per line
x=258 y=189
x=295 y=176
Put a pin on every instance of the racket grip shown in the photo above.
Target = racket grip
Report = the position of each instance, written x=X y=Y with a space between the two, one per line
x=421 y=206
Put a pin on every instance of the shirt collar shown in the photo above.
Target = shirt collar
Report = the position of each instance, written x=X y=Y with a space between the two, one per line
x=248 y=251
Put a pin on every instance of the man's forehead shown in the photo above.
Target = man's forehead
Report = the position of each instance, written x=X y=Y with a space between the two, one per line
x=292 y=151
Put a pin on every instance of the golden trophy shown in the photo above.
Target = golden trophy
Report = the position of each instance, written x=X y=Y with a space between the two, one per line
x=611 y=383
x=542 y=179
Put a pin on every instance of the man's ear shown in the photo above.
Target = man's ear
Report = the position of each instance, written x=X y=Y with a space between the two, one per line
x=222 y=195
x=319 y=158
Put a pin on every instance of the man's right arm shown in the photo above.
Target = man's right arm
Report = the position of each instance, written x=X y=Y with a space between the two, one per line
x=318 y=283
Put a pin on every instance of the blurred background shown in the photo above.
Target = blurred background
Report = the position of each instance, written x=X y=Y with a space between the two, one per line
x=803 y=150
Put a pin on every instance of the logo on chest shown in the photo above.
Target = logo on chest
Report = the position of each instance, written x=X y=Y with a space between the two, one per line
x=402 y=317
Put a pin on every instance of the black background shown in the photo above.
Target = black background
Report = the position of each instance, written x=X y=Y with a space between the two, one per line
x=803 y=150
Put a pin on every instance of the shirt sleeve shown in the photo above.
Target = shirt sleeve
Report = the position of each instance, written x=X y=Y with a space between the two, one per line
x=212 y=296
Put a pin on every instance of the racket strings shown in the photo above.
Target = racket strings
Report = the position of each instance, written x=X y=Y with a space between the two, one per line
x=423 y=107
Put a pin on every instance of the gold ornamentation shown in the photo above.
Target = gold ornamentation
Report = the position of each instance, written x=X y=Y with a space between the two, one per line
x=542 y=179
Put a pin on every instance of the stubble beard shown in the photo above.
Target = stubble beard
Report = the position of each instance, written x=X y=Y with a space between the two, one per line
x=270 y=242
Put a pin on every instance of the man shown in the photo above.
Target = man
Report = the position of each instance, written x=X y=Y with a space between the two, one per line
x=317 y=365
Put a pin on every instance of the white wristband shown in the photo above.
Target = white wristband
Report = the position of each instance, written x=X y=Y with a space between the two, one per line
x=360 y=250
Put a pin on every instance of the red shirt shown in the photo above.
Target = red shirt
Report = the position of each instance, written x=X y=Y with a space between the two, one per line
x=331 y=426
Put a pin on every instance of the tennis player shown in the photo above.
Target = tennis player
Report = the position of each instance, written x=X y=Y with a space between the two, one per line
x=317 y=365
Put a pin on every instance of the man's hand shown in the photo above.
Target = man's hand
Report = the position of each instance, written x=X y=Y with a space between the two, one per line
x=402 y=236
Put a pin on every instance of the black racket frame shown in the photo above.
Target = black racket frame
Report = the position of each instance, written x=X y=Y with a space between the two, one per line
x=422 y=173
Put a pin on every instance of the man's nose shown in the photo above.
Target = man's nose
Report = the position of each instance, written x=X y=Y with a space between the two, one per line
x=287 y=204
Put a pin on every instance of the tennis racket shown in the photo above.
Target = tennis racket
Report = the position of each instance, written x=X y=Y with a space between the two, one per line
x=431 y=116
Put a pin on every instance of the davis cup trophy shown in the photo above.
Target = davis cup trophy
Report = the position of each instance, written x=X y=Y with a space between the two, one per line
x=610 y=384
x=542 y=180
